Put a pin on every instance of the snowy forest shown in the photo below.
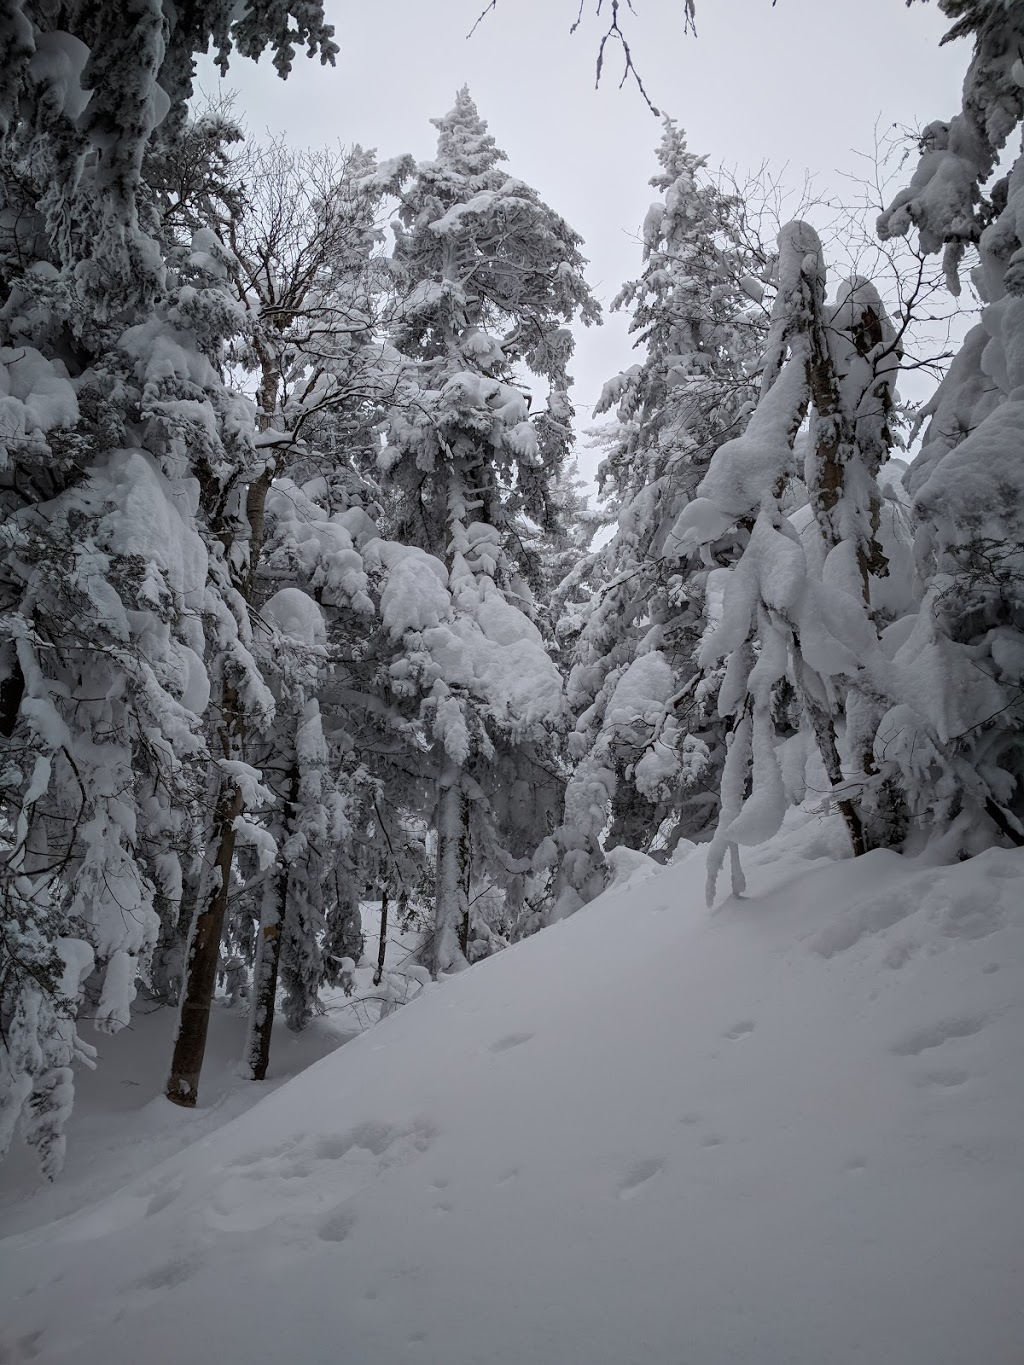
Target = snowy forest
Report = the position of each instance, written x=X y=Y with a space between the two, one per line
x=330 y=688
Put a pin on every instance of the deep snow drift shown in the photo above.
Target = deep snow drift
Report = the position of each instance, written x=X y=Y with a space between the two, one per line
x=785 y=1132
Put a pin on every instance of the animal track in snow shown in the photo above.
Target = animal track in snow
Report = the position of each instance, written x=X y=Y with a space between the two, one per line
x=640 y=1174
x=337 y=1226
x=294 y=1184
x=170 y=1275
x=973 y=914
x=509 y=1042
x=253 y=1158
x=161 y=1199
x=739 y=1030
x=945 y=1077
x=1004 y=872
x=936 y=1034
x=25 y=1348
x=861 y=920
x=900 y=953
x=374 y=1137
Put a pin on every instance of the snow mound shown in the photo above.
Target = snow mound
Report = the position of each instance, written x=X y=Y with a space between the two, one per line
x=786 y=1131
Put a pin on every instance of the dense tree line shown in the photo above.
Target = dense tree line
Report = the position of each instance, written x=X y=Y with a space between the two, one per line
x=299 y=605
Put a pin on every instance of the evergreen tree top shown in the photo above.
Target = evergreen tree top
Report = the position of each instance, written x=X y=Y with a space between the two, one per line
x=464 y=146
x=674 y=157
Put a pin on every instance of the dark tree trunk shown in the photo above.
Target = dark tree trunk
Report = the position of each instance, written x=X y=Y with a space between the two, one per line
x=264 y=984
x=204 y=949
x=12 y=689
x=203 y=955
x=382 y=946
x=268 y=957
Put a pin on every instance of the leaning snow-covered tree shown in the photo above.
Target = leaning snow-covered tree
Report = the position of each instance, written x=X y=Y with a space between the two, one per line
x=802 y=612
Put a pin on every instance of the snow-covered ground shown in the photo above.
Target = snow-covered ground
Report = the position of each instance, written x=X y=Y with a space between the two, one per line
x=784 y=1132
x=121 y=1124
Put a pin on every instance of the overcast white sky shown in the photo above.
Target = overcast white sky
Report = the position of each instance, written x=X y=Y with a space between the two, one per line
x=800 y=84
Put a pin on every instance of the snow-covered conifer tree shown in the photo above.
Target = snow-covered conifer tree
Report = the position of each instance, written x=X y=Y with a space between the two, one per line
x=120 y=448
x=491 y=278
x=955 y=736
x=647 y=742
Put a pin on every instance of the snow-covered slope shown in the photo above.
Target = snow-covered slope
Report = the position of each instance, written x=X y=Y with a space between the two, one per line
x=786 y=1132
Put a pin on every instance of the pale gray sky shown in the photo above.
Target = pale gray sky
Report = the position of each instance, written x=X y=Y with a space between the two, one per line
x=800 y=84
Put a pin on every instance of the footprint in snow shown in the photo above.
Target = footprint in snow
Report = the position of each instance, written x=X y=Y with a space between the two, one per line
x=944 y=1031
x=170 y=1275
x=337 y=1226
x=372 y=1137
x=162 y=1199
x=1003 y=872
x=509 y=1042
x=26 y=1348
x=864 y=921
x=640 y=1174
x=973 y=915
x=945 y=1077
x=900 y=953
x=253 y=1158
